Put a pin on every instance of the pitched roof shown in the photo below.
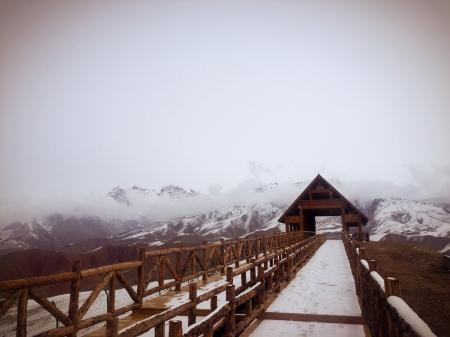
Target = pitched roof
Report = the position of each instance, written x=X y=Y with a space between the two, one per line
x=319 y=178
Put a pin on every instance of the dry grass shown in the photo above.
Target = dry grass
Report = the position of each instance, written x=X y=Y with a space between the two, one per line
x=424 y=284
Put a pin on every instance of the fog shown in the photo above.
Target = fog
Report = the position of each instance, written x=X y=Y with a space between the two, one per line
x=220 y=97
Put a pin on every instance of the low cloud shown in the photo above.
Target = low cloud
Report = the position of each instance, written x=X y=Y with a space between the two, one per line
x=428 y=184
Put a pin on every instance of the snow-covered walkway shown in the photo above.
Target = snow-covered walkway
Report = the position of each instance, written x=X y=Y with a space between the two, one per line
x=324 y=286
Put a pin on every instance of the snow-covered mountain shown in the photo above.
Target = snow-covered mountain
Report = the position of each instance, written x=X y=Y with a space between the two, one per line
x=226 y=222
x=127 y=195
x=421 y=221
x=426 y=221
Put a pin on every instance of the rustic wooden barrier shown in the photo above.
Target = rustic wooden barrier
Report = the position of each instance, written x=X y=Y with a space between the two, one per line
x=385 y=313
x=156 y=271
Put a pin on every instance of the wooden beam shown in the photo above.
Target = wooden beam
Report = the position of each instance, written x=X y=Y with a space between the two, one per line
x=321 y=204
x=284 y=316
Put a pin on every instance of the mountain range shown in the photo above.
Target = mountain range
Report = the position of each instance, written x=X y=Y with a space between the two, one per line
x=394 y=219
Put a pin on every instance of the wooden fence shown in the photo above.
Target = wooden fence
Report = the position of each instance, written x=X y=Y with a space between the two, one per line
x=159 y=270
x=385 y=312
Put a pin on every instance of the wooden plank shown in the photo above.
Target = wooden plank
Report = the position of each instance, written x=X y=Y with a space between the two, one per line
x=285 y=316
x=321 y=204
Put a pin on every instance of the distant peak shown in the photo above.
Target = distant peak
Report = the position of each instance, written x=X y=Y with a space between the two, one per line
x=177 y=192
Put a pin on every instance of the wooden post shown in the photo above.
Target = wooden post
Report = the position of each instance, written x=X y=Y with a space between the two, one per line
x=362 y=253
x=112 y=324
x=194 y=262
x=205 y=262
x=392 y=286
x=161 y=271
x=262 y=292
x=277 y=274
x=230 y=275
x=178 y=266
x=222 y=254
x=74 y=297
x=159 y=330
x=175 y=329
x=193 y=299
x=238 y=249
x=244 y=279
x=141 y=276
x=21 y=329
x=230 y=324
x=372 y=265
x=253 y=272
x=213 y=303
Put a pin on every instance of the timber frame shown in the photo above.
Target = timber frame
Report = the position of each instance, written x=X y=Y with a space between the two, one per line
x=320 y=198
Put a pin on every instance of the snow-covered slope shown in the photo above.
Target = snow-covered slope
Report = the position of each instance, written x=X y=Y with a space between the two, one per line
x=136 y=193
x=413 y=220
x=226 y=222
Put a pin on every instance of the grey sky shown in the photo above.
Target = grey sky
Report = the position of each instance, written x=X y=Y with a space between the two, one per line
x=97 y=94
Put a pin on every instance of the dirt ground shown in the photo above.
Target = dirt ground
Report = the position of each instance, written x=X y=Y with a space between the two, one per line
x=424 y=284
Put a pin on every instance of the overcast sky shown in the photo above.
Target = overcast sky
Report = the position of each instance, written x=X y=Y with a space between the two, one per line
x=97 y=94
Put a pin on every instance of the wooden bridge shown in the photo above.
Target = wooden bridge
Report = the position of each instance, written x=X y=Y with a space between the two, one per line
x=280 y=285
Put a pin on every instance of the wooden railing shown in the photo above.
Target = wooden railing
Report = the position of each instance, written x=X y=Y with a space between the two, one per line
x=153 y=272
x=385 y=312
x=243 y=304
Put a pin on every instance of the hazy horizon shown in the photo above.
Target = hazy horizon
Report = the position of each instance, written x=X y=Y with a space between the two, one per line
x=209 y=95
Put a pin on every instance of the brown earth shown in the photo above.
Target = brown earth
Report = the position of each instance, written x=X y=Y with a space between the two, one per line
x=424 y=284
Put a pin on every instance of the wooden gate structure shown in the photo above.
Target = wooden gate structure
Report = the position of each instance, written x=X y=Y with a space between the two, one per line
x=320 y=198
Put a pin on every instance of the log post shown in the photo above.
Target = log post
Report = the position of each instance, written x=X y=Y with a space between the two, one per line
x=112 y=325
x=372 y=265
x=205 y=262
x=262 y=292
x=230 y=324
x=194 y=262
x=178 y=266
x=238 y=249
x=159 y=330
x=244 y=279
x=175 y=329
x=141 y=276
x=21 y=329
x=213 y=303
x=193 y=299
x=222 y=254
x=277 y=275
x=253 y=272
x=161 y=271
x=362 y=253
x=289 y=268
x=230 y=275
x=74 y=297
x=392 y=286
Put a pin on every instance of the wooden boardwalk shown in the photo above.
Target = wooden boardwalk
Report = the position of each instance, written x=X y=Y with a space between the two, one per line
x=321 y=298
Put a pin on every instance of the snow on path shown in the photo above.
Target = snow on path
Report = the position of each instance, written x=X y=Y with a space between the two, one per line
x=306 y=329
x=323 y=286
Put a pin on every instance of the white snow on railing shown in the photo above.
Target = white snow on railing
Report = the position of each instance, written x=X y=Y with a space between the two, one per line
x=410 y=317
x=357 y=251
x=378 y=278
x=211 y=314
x=365 y=264
x=256 y=286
